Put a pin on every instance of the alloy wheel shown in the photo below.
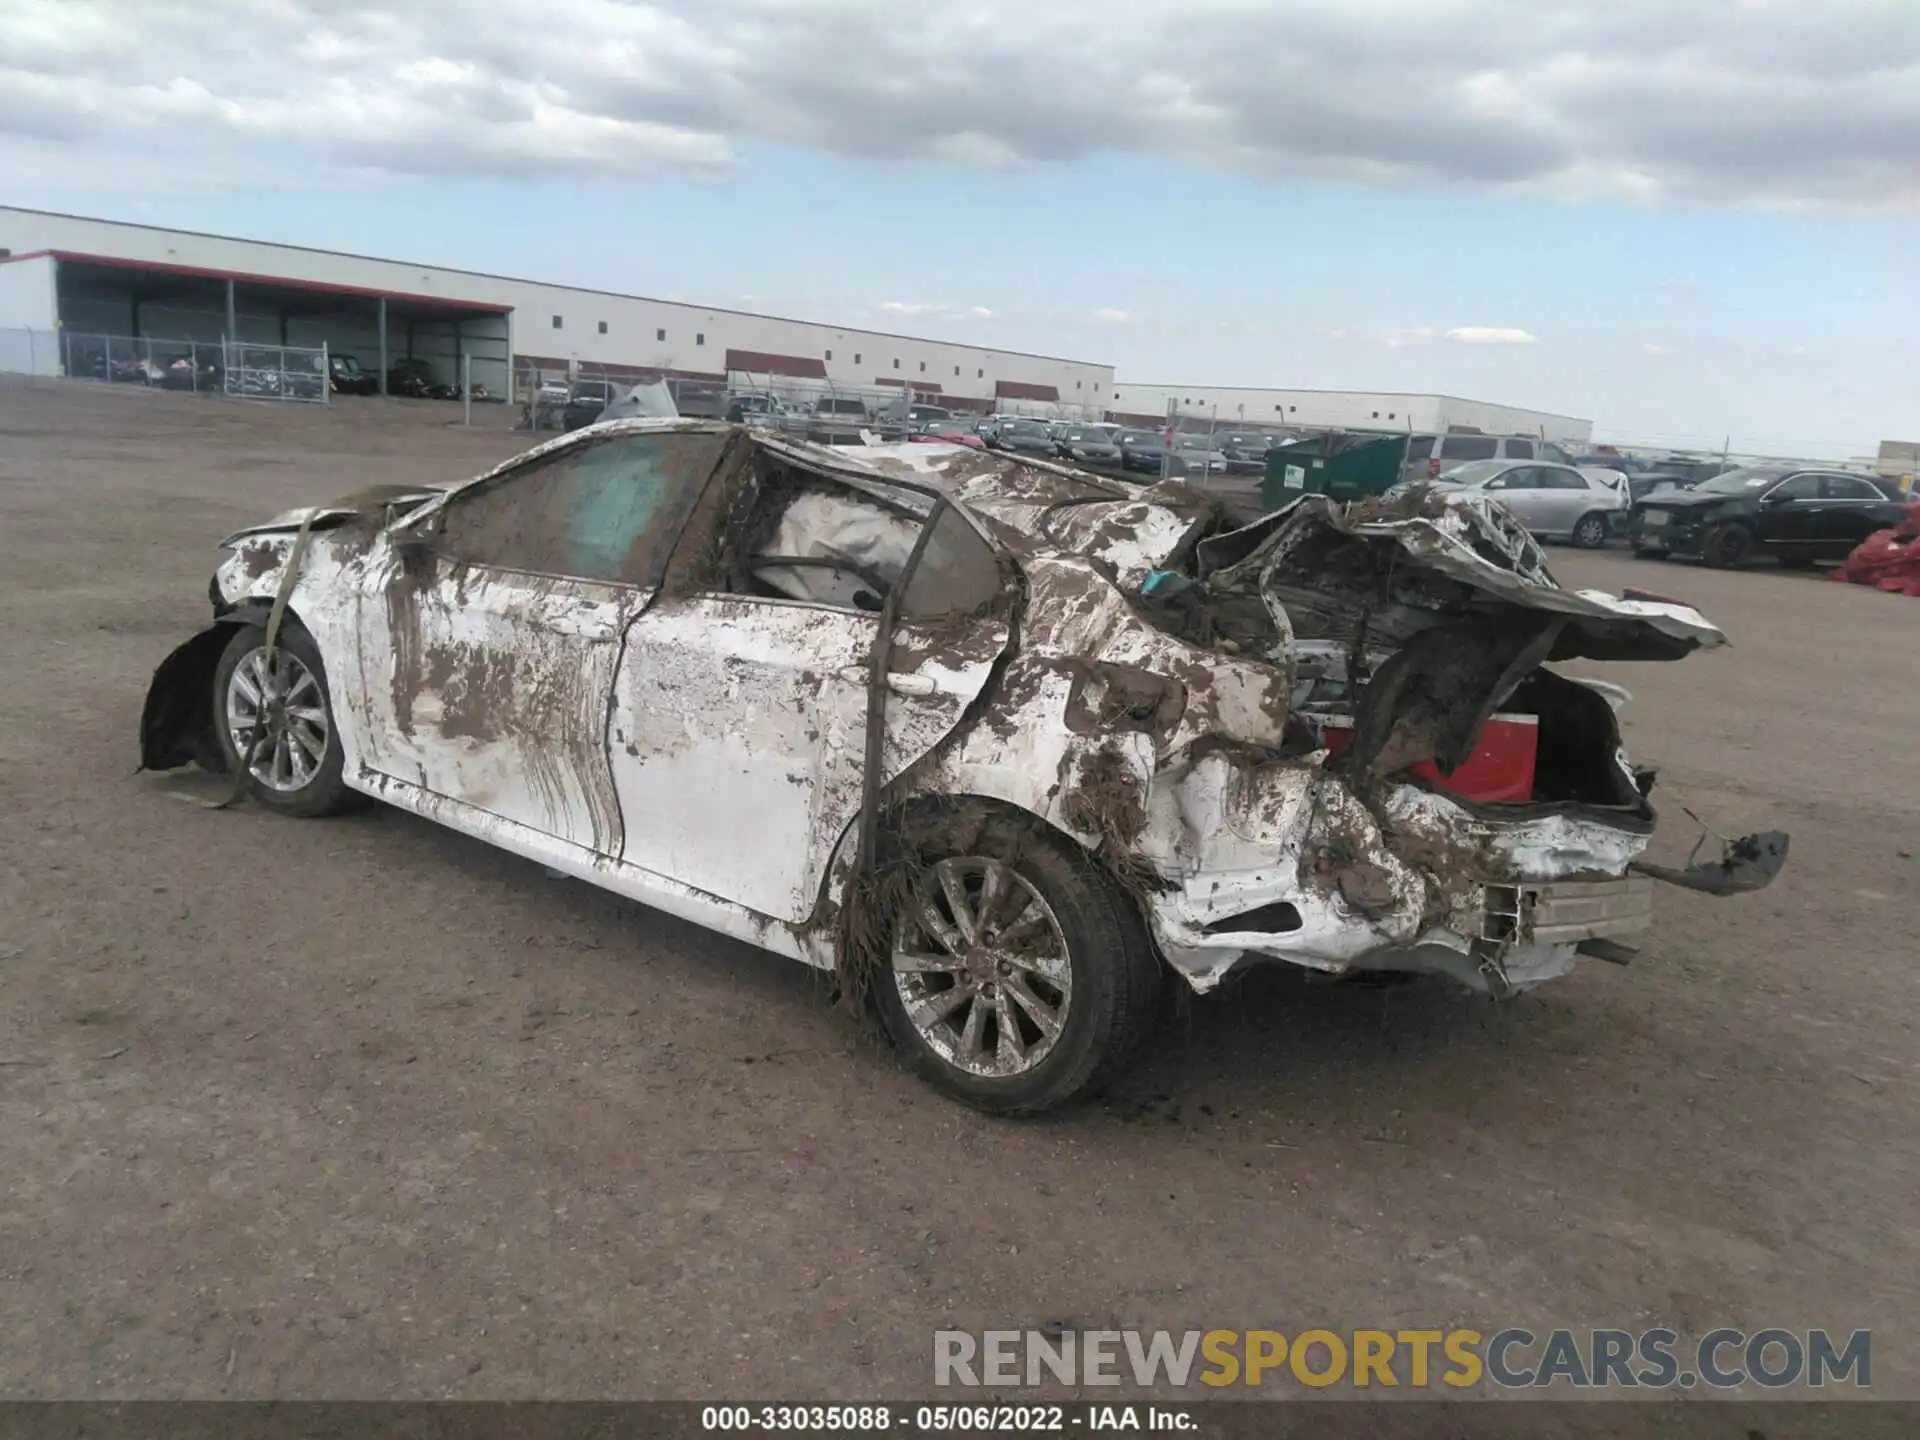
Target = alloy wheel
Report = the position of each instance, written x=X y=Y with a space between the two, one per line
x=982 y=967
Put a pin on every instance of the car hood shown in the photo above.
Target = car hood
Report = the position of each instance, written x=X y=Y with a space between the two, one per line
x=1686 y=500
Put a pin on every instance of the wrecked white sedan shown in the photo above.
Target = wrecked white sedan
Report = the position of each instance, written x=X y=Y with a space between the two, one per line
x=999 y=743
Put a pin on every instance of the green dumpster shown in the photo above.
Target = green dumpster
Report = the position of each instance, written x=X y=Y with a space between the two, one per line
x=1341 y=467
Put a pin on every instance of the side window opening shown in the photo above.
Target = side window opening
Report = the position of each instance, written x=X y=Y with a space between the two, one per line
x=608 y=511
x=810 y=538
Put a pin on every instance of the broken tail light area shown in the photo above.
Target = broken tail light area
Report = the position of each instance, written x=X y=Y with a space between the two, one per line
x=1285 y=861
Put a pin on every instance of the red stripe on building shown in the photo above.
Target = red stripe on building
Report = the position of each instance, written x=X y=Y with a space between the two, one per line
x=1022 y=390
x=760 y=362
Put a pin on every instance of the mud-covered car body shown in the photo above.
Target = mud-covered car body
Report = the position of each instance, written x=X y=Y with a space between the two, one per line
x=707 y=686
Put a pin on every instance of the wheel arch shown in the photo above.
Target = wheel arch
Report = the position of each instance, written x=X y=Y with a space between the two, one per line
x=178 y=723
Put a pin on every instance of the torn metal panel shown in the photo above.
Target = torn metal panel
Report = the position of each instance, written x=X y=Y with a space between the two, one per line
x=1748 y=863
x=1351 y=568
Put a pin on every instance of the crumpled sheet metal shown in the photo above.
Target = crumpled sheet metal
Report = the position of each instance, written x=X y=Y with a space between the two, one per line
x=1889 y=559
x=1455 y=541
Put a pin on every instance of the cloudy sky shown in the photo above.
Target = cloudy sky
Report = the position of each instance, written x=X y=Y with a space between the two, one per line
x=1686 y=220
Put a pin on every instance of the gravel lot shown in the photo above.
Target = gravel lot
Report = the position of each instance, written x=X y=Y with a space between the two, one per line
x=363 y=1108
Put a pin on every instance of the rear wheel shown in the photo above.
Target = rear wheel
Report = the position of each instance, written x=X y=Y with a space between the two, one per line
x=1729 y=544
x=275 y=722
x=1019 y=975
x=1590 y=533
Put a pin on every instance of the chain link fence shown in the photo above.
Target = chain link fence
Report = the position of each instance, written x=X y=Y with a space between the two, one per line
x=254 y=372
x=814 y=407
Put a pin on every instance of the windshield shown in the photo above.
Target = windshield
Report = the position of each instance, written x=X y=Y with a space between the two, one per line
x=1739 y=482
x=1087 y=437
x=1139 y=437
x=1024 y=427
x=1192 y=442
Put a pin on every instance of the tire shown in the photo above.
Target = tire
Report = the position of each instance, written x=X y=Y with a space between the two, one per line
x=1640 y=554
x=311 y=788
x=1590 y=532
x=1729 y=544
x=1104 y=994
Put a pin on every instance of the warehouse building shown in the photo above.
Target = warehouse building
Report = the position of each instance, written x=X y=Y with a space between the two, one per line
x=1198 y=406
x=65 y=278
x=64 y=275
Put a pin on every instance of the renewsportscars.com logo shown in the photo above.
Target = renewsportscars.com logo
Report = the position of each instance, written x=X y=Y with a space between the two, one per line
x=1513 y=1359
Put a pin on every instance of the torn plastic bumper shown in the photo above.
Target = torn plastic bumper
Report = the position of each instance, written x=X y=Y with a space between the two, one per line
x=1746 y=864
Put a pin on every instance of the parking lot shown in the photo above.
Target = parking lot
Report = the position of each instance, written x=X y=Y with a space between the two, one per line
x=365 y=1108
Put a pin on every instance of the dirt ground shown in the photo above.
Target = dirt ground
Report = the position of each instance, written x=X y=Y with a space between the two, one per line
x=361 y=1108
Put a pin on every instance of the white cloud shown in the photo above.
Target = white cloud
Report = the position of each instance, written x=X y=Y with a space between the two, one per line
x=1800 y=104
x=1113 y=317
x=1399 y=339
x=1488 y=335
x=1653 y=349
x=919 y=309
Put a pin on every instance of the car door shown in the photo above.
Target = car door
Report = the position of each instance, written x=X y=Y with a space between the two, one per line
x=1850 y=510
x=739 y=717
x=1565 y=496
x=1788 y=515
x=491 y=627
x=1519 y=490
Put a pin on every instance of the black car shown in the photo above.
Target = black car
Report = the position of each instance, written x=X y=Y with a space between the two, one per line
x=1146 y=450
x=1033 y=437
x=1799 y=516
x=585 y=401
x=1088 y=446
x=348 y=376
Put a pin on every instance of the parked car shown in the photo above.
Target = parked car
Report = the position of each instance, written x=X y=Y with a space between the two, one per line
x=1429 y=455
x=1200 y=455
x=1798 y=516
x=1246 y=453
x=1146 y=451
x=1086 y=446
x=1554 y=502
x=586 y=400
x=347 y=376
x=745 y=408
x=1066 y=803
x=1028 y=437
